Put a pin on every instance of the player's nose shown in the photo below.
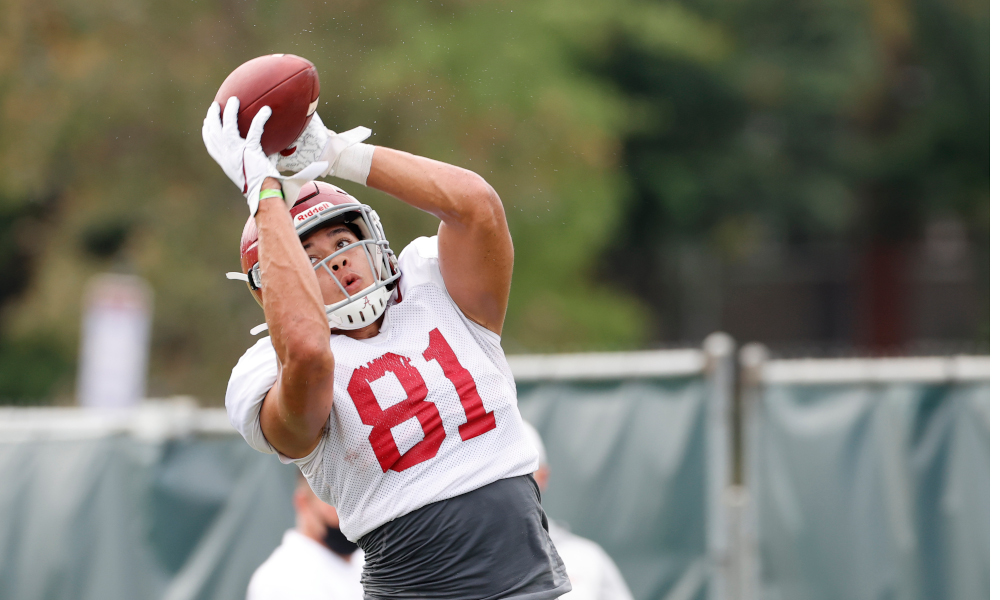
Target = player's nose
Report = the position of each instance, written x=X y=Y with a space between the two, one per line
x=341 y=262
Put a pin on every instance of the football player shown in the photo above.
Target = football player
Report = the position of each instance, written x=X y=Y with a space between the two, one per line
x=384 y=379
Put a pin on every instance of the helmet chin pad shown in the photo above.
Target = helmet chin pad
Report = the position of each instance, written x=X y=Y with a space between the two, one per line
x=360 y=310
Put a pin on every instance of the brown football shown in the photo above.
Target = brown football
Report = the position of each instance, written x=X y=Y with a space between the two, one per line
x=287 y=83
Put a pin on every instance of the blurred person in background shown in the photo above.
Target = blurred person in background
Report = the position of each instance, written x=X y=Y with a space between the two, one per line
x=314 y=560
x=592 y=572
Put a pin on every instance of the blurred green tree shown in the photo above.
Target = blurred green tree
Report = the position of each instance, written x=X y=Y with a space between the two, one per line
x=827 y=119
x=102 y=101
x=848 y=121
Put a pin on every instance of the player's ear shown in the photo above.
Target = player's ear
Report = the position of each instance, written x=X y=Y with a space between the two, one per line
x=300 y=499
x=542 y=477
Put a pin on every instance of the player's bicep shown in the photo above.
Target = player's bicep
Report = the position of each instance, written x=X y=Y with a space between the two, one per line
x=477 y=261
x=295 y=410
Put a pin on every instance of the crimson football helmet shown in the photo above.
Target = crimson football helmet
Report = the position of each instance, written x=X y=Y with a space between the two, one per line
x=321 y=204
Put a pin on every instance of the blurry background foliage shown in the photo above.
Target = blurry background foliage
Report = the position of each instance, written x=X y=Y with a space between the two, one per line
x=615 y=132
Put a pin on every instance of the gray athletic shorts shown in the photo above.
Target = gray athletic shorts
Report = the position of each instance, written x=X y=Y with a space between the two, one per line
x=490 y=543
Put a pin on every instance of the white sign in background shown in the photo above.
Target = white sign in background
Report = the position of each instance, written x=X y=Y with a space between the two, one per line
x=114 y=341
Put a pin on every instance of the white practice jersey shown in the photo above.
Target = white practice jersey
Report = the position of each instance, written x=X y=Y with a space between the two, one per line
x=424 y=411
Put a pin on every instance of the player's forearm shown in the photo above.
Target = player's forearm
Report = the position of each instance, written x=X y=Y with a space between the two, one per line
x=476 y=253
x=455 y=195
x=293 y=303
x=295 y=411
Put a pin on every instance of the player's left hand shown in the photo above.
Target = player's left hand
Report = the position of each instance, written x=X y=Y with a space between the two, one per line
x=319 y=145
x=242 y=160
x=308 y=147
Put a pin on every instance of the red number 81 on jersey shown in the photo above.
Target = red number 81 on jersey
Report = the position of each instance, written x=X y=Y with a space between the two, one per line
x=477 y=420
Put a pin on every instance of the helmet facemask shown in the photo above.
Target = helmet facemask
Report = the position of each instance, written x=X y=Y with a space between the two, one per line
x=354 y=311
x=365 y=306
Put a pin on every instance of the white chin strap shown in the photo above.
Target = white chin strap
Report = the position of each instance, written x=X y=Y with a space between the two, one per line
x=357 y=313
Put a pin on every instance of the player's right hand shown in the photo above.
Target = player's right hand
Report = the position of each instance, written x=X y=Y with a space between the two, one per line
x=242 y=160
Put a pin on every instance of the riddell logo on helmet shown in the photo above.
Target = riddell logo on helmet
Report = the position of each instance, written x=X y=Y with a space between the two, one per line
x=315 y=210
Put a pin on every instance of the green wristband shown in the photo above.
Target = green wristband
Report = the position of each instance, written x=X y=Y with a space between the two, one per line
x=271 y=194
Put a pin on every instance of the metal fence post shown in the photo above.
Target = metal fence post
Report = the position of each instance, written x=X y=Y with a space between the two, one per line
x=752 y=359
x=720 y=368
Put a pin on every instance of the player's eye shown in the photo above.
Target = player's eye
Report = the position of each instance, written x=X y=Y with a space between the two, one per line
x=313 y=259
x=343 y=243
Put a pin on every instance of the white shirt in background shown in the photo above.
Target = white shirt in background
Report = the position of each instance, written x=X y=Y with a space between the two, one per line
x=303 y=569
x=591 y=571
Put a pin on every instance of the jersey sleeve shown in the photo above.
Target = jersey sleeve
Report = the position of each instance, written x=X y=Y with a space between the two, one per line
x=253 y=376
x=419 y=265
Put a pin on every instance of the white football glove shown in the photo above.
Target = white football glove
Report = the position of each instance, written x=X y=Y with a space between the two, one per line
x=243 y=160
x=317 y=144
x=308 y=147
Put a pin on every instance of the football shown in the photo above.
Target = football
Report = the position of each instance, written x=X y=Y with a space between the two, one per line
x=287 y=83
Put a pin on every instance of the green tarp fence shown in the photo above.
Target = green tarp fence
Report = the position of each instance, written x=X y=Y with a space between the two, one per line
x=638 y=448
x=167 y=502
x=114 y=507
x=870 y=484
x=861 y=482
x=628 y=471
